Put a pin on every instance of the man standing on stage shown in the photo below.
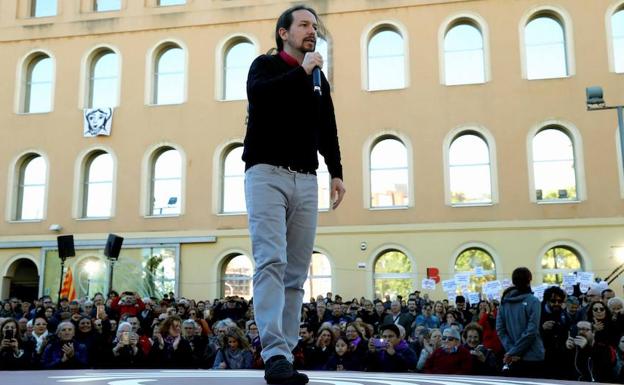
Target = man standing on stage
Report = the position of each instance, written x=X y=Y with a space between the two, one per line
x=288 y=123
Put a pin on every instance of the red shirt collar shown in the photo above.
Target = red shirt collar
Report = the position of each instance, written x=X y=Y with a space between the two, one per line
x=291 y=61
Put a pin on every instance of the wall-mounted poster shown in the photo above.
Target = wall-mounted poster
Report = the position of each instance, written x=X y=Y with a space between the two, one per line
x=97 y=121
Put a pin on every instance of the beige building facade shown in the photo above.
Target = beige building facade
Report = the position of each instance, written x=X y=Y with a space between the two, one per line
x=399 y=81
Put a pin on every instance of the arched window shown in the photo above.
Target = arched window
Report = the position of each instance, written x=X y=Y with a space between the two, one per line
x=233 y=197
x=389 y=173
x=103 y=79
x=31 y=192
x=464 y=61
x=558 y=261
x=43 y=8
x=554 y=167
x=386 y=60
x=617 y=34
x=238 y=58
x=323 y=48
x=237 y=276
x=38 y=88
x=392 y=274
x=98 y=185
x=545 y=44
x=479 y=263
x=469 y=169
x=319 y=276
x=324 y=183
x=169 y=75
x=166 y=184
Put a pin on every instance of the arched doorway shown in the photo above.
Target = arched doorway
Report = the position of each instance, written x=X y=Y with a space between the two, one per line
x=22 y=279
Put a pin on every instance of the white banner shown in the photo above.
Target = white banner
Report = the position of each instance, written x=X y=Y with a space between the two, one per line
x=492 y=287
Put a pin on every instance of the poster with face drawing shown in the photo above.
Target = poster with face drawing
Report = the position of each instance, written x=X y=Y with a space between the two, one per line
x=97 y=121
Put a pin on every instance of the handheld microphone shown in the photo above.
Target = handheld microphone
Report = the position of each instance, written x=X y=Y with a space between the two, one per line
x=316 y=80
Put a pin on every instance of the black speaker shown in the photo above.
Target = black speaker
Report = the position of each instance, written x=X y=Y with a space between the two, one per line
x=65 y=246
x=113 y=246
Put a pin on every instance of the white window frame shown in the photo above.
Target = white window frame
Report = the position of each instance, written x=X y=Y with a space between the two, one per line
x=147 y=165
x=86 y=66
x=376 y=254
x=475 y=20
x=369 y=32
x=563 y=17
x=491 y=144
x=367 y=148
x=153 y=54
x=579 y=160
x=221 y=49
x=13 y=187
x=582 y=253
x=80 y=171
x=21 y=77
x=612 y=10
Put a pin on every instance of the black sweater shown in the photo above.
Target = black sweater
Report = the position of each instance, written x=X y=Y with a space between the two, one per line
x=287 y=122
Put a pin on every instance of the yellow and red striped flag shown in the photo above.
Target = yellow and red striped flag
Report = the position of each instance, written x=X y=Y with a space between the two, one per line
x=68 y=290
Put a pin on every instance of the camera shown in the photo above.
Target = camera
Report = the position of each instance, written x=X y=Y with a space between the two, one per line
x=8 y=334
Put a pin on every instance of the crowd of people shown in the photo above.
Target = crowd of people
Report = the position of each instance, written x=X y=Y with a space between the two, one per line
x=575 y=337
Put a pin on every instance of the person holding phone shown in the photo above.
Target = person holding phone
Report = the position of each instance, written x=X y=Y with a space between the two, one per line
x=484 y=361
x=13 y=353
x=128 y=303
x=65 y=352
x=390 y=352
x=126 y=351
x=588 y=359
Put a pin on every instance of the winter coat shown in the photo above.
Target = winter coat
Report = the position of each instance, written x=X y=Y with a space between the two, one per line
x=517 y=325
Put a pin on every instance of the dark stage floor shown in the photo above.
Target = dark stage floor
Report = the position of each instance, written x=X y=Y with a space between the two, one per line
x=245 y=377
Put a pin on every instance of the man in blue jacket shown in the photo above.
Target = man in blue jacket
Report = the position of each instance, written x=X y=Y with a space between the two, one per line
x=517 y=325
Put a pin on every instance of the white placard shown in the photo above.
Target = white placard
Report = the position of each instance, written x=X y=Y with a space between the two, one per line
x=539 y=292
x=450 y=296
x=492 y=287
x=506 y=283
x=449 y=286
x=584 y=288
x=462 y=279
x=97 y=121
x=569 y=290
x=569 y=280
x=428 y=284
x=479 y=271
x=585 y=278
x=473 y=298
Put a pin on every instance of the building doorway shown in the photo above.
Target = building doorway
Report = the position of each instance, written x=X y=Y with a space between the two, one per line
x=22 y=279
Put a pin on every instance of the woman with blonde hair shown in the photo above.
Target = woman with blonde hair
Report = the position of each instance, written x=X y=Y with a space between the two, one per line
x=235 y=352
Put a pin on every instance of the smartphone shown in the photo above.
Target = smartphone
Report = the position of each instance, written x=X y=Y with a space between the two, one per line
x=125 y=338
x=8 y=334
x=379 y=343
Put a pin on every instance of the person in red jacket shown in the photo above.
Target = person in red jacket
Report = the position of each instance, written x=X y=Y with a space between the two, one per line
x=451 y=358
x=128 y=303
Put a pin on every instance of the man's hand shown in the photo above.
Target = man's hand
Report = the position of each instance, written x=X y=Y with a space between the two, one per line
x=311 y=60
x=570 y=343
x=336 y=192
x=548 y=325
x=580 y=341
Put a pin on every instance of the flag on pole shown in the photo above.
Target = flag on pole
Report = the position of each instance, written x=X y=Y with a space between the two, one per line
x=68 y=289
